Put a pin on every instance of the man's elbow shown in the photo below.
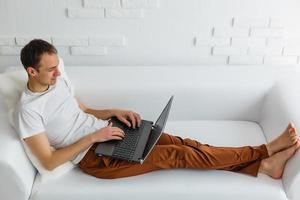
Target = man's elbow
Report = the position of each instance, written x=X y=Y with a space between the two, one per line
x=84 y=109
x=82 y=106
x=48 y=166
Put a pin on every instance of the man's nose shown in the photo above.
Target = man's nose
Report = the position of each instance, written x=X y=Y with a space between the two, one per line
x=57 y=73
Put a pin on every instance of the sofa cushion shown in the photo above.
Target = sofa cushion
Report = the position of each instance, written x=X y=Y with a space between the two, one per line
x=175 y=183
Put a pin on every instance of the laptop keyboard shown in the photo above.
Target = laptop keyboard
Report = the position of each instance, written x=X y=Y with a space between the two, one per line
x=125 y=148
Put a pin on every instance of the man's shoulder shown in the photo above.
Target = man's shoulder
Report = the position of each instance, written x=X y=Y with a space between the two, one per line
x=28 y=104
x=26 y=107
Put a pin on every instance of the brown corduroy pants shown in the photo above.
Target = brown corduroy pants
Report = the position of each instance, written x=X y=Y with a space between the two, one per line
x=175 y=152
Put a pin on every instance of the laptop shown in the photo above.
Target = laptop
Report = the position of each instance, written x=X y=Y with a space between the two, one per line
x=137 y=143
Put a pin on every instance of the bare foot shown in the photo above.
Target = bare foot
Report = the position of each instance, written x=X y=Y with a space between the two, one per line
x=274 y=165
x=288 y=138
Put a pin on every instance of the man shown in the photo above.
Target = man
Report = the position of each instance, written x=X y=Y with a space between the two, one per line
x=49 y=114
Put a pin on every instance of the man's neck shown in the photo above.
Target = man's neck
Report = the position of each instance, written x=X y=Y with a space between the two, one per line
x=36 y=87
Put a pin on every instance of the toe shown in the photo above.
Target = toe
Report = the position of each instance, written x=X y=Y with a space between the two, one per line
x=292 y=131
x=294 y=140
x=297 y=144
x=293 y=125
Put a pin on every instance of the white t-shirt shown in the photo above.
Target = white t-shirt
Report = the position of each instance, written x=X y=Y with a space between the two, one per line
x=57 y=113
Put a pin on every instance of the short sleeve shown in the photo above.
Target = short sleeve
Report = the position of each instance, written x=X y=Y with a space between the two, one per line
x=29 y=123
x=65 y=76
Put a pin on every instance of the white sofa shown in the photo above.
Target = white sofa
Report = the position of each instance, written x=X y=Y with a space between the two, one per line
x=219 y=105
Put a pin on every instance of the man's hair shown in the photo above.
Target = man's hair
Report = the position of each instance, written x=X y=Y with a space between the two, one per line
x=32 y=52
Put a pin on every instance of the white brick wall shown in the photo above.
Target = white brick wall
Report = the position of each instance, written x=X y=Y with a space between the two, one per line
x=276 y=23
x=246 y=59
x=9 y=50
x=229 y=51
x=85 y=13
x=231 y=48
x=265 y=51
x=153 y=4
x=67 y=45
x=107 y=40
x=63 y=50
x=118 y=9
x=284 y=42
x=124 y=13
x=267 y=32
x=292 y=50
x=230 y=32
x=130 y=31
x=248 y=41
x=292 y=42
x=200 y=41
x=252 y=41
x=140 y=3
x=70 y=41
x=276 y=60
x=24 y=40
x=6 y=40
x=276 y=42
x=229 y=45
x=204 y=50
x=250 y=22
x=89 y=51
x=101 y=3
x=212 y=60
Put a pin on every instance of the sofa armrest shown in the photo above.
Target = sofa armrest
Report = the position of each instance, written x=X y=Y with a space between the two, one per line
x=282 y=105
x=16 y=171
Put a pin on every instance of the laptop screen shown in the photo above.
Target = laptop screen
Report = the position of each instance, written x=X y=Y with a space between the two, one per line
x=158 y=128
x=161 y=121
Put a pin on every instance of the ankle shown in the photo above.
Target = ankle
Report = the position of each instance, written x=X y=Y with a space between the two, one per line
x=269 y=149
x=263 y=168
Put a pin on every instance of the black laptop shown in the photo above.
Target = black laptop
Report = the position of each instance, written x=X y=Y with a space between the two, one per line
x=137 y=143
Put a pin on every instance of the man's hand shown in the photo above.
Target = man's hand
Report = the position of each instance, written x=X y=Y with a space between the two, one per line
x=126 y=115
x=107 y=133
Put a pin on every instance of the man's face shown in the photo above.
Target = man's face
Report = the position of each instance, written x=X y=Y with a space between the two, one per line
x=48 y=71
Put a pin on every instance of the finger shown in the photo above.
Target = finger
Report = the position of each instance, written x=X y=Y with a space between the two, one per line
x=116 y=138
x=138 y=119
x=121 y=131
x=118 y=133
x=116 y=129
x=110 y=124
x=125 y=121
x=132 y=119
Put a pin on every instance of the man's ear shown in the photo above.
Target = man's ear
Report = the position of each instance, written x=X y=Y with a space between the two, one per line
x=31 y=71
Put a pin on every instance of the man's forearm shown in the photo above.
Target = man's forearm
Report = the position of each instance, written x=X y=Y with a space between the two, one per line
x=60 y=156
x=101 y=114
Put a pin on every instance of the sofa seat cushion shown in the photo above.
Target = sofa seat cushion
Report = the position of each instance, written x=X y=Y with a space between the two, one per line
x=175 y=183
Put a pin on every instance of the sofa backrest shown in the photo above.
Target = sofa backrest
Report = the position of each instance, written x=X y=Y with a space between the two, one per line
x=201 y=92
